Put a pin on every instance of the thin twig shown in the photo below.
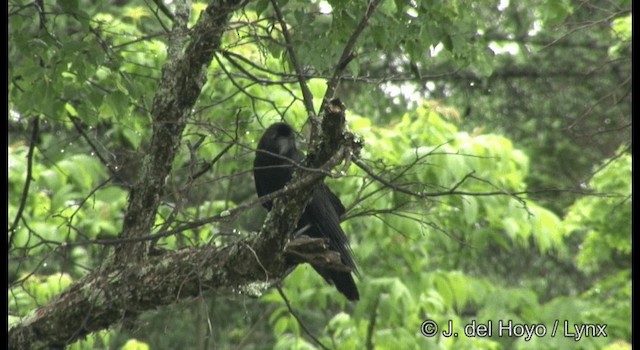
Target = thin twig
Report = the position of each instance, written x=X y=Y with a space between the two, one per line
x=452 y=191
x=41 y=13
x=27 y=181
x=164 y=10
x=212 y=162
x=80 y=128
x=306 y=92
x=609 y=161
x=238 y=86
x=295 y=315
x=310 y=178
x=372 y=324
x=140 y=39
x=86 y=198
x=348 y=54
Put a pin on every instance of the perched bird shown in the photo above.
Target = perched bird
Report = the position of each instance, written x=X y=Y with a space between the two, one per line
x=275 y=162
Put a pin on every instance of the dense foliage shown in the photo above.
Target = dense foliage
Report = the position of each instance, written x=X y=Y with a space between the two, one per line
x=494 y=185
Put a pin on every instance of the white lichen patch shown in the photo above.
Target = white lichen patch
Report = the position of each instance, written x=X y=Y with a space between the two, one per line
x=254 y=289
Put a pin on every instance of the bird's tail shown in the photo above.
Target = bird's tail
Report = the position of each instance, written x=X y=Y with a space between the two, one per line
x=342 y=280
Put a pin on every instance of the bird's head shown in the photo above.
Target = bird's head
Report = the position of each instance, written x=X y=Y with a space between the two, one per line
x=279 y=138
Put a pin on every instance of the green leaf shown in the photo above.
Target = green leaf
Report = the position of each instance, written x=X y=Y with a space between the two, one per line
x=470 y=209
x=622 y=27
x=553 y=12
x=134 y=344
x=85 y=171
x=547 y=229
x=70 y=109
x=261 y=6
x=511 y=226
x=116 y=105
x=69 y=5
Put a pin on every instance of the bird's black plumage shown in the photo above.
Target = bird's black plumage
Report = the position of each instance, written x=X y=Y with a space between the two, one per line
x=273 y=167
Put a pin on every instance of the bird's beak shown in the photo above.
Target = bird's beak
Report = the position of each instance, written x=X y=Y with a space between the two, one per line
x=284 y=145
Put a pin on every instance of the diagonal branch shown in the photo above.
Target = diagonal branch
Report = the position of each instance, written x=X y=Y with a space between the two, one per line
x=101 y=299
x=248 y=266
x=300 y=322
x=182 y=79
x=306 y=92
x=77 y=123
x=135 y=281
x=27 y=181
x=162 y=7
x=348 y=54
x=120 y=289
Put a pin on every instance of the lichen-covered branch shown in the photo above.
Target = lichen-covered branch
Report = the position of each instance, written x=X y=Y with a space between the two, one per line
x=136 y=281
x=105 y=297
x=92 y=303
x=184 y=74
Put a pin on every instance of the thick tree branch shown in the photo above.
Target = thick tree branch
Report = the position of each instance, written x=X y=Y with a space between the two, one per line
x=136 y=282
x=182 y=79
x=314 y=251
x=247 y=266
x=102 y=299
x=98 y=300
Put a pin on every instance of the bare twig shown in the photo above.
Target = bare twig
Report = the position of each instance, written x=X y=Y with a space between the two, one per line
x=372 y=324
x=41 y=13
x=77 y=123
x=306 y=92
x=212 y=162
x=164 y=10
x=609 y=161
x=140 y=39
x=453 y=191
x=295 y=315
x=86 y=198
x=348 y=54
x=238 y=86
x=224 y=215
x=592 y=106
x=27 y=181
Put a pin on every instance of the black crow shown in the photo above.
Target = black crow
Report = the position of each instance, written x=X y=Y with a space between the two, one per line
x=273 y=167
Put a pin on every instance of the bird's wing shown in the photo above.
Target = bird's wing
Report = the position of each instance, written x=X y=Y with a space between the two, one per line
x=335 y=201
x=322 y=213
x=324 y=190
